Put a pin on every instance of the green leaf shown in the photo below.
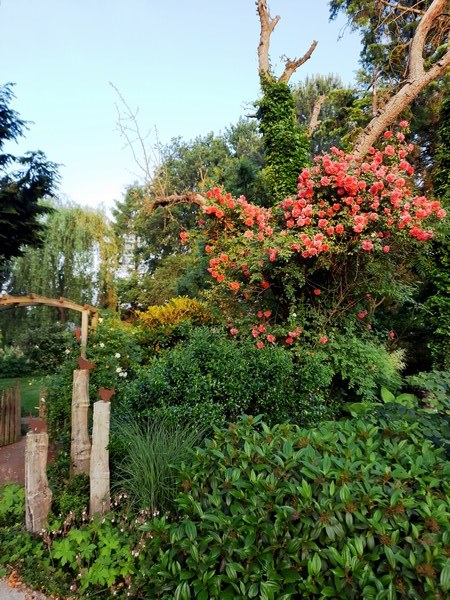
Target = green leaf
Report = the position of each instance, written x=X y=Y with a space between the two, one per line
x=444 y=579
x=182 y=592
x=314 y=565
x=190 y=529
x=328 y=592
x=387 y=396
x=344 y=493
x=408 y=400
x=305 y=490
x=390 y=556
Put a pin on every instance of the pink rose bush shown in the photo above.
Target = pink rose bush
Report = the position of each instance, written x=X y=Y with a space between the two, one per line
x=347 y=212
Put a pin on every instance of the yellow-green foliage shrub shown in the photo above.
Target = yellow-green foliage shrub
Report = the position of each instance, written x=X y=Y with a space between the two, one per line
x=174 y=312
x=163 y=326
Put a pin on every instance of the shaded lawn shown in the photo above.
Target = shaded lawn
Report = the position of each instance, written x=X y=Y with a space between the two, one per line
x=30 y=388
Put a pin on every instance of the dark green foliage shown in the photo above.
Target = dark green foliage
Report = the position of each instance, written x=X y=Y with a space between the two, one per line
x=23 y=182
x=286 y=146
x=13 y=362
x=203 y=374
x=424 y=402
x=350 y=367
x=46 y=348
x=342 y=115
x=211 y=378
x=349 y=510
x=436 y=311
x=441 y=173
x=12 y=505
x=433 y=388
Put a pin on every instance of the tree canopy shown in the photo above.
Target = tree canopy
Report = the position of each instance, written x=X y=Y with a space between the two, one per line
x=24 y=181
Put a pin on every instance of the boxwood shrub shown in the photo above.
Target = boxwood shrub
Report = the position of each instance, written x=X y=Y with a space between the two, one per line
x=212 y=378
x=349 y=510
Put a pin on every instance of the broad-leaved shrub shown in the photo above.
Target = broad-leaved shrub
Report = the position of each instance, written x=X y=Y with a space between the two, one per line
x=348 y=510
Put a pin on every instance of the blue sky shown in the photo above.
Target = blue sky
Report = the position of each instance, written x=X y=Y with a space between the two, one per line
x=189 y=66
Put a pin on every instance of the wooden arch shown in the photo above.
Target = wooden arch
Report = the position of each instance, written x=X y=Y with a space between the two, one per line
x=86 y=310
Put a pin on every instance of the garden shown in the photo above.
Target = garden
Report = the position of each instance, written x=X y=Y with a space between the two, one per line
x=266 y=439
x=273 y=339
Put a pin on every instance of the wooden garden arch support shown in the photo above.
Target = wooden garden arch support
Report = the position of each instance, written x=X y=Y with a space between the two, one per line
x=86 y=310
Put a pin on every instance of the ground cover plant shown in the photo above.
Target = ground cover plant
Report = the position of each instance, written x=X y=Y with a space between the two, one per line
x=349 y=509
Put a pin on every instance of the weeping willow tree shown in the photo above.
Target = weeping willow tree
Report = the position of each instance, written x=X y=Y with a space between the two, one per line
x=77 y=260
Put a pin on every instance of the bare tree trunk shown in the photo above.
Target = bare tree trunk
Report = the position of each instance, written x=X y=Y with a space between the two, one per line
x=418 y=79
x=99 y=472
x=38 y=496
x=80 y=450
x=314 y=120
x=268 y=24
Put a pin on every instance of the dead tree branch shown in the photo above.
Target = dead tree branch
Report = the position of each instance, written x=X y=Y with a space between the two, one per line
x=418 y=78
x=314 y=120
x=403 y=8
x=293 y=65
x=174 y=199
x=268 y=24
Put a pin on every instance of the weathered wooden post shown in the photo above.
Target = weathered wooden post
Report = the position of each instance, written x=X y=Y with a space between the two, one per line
x=84 y=331
x=80 y=449
x=100 y=492
x=43 y=404
x=17 y=404
x=38 y=495
x=10 y=415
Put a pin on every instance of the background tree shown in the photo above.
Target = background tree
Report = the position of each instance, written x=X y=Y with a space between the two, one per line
x=23 y=182
x=405 y=48
x=437 y=304
x=330 y=110
x=77 y=260
x=148 y=234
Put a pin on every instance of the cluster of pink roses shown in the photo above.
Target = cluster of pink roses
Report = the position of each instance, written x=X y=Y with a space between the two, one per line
x=368 y=201
x=342 y=204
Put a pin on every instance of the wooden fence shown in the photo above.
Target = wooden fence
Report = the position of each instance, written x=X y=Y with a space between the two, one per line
x=10 y=423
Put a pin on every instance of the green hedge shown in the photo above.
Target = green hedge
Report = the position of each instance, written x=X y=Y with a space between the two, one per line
x=213 y=378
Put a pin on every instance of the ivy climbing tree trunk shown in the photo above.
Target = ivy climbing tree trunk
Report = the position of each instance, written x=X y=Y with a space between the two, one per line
x=286 y=145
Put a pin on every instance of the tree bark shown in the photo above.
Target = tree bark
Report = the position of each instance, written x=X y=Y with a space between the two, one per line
x=80 y=450
x=268 y=24
x=99 y=471
x=418 y=79
x=293 y=65
x=314 y=120
x=38 y=496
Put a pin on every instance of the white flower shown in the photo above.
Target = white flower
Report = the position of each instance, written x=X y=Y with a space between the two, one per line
x=117 y=355
x=67 y=350
x=100 y=320
x=119 y=370
x=102 y=345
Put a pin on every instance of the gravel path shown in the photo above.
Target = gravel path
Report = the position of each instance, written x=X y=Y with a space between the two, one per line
x=18 y=591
